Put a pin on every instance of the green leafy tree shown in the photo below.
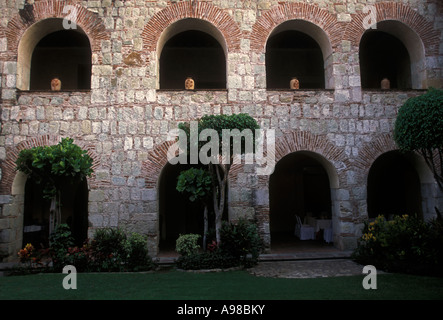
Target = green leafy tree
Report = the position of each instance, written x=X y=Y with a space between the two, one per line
x=51 y=166
x=229 y=131
x=419 y=127
x=196 y=183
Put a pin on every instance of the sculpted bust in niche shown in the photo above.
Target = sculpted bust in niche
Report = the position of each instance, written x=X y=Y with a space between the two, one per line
x=56 y=84
x=189 y=83
x=294 y=84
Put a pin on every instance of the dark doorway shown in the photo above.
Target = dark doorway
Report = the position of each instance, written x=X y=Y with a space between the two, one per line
x=74 y=212
x=299 y=186
x=178 y=215
x=384 y=56
x=64 y=54
x=393 y=187
x=294 y=54
x=193 y=54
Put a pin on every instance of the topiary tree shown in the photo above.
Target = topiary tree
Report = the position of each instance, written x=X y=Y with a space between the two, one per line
x=419 y=127
x=237 y=134
x=50 y=166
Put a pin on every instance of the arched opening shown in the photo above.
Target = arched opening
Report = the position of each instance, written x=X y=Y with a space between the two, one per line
x=48 y=51
x=298 y=49
x=65 y=55
x=74 y=212
x=393 y=187
x=392 y=51
x=192 y=48
x=178 y=215
x=300 y=185
x=384 y=56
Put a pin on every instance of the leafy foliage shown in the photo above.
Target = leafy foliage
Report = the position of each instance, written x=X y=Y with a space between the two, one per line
x=59 y=242
x=419 y=123
x=110 y=250
x=240 y=246
x=207 y=260
x=405 y=244
x=242 y=241
x=137 y=258
x=196 y=183
x=187 y=244
x=109 y=246
x=419 y=127
x=242 y=130
x=49 y=165
x=235 y=123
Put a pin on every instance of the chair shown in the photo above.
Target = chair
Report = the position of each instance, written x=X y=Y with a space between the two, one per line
x=303 y=231
x=327 y=234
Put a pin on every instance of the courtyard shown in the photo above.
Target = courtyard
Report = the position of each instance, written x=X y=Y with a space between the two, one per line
x=230 y=285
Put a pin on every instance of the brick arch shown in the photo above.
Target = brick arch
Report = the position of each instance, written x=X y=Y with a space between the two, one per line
x=294 y=11
x=88 y=21
x=383 y=144
x=305 y=141
x=297 y=141
x=157 y=159
x=398 y=12
x=185 y=9
x=8 y=166
x=372 y=150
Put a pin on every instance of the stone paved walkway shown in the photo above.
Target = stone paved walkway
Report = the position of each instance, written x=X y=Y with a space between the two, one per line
x=307 y=268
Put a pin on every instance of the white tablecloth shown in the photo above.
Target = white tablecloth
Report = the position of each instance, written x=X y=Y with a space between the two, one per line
x=318 y=223
x=32 y=228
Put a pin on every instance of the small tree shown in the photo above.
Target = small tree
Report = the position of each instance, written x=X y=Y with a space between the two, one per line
x=50 y=166
x=230 y=130
x=197 y=184
x=419 y=127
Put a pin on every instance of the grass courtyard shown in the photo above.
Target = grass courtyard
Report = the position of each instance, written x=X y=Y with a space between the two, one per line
x=232 y=285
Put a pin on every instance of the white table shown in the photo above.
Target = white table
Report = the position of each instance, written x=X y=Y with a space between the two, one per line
x=318 y=223
x=32 y=228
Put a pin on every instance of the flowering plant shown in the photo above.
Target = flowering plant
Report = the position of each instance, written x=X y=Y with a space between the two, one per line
x=26 y=253
x=213 y=246
x=403 y=243
x=29 y=255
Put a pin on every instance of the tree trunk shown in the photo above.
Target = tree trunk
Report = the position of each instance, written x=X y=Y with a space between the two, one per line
x=205 y=226
x=219 y=203
x=54 y=213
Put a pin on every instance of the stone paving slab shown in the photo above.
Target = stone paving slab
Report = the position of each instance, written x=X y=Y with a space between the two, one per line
x=307 y=268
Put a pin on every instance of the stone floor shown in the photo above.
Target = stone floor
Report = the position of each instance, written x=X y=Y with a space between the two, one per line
x=307 y=268
x=307 y=259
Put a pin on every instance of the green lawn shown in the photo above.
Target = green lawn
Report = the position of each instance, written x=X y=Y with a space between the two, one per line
x=234 y=285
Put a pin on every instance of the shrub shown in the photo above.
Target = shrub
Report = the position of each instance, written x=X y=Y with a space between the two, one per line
x=404 y=244
x=110 y=250
x=137 y=257
x=242 y=241
x=186 y=244
x=60 y=240
x=419 y=127
x=240 y=246
x=207 y=260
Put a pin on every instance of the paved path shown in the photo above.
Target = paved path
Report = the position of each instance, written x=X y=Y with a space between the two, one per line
x=307 y=268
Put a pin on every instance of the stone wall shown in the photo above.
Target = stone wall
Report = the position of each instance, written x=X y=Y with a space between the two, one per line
x=124 y=119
